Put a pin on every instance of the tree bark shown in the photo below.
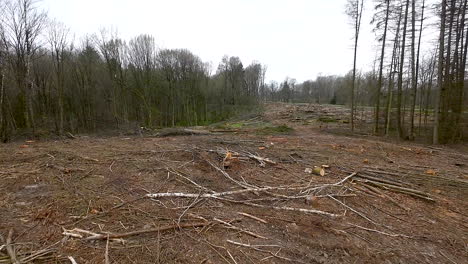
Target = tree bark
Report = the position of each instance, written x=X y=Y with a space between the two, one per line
x=440 y=72
x=400 y=124
x=417 y=62
x=414 y=85
x=357 y=27
x=382 y=57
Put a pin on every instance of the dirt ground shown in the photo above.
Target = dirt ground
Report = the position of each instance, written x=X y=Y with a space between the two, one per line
x=86 y=199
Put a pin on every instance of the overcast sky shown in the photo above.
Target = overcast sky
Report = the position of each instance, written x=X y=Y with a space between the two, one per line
x=296 y=38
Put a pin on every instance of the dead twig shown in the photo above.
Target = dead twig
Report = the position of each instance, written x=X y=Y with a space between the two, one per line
x=106 y=257
x=195 y=201
x=225 y=174
x=253 y=217
x=218 y=196
x=145 y=231
x=239 y=229
x=341 y=182
x=189 y=180
x=92 y=216
x=394 y=188
x=379 y=232
x=10 y=249
x=353 y=210
x=284 y=208
x=230 y=255
x=72 y=260
x=256 y=247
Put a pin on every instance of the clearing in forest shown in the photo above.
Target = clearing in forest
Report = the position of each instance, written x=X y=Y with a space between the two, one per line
x=245 y=191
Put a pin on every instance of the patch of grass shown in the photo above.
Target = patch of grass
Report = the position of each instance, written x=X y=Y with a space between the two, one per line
x=281 y=129
x=236 y=125
x=229 y=126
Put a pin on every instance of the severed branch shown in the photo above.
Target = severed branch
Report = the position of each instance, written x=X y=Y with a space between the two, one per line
x=171 y=170
x=285 y=208
x=72 y=260
x=231 y=226
x=394 y=188
x=246 y=190
x=353 y=210
x=145 y=231
x=106 y=255
x=261 y=160
x=309 y=190
x=219 y=195
x=10 y=249
x=243 y=185
x=379 y=232
x=253 y=217
x=257 y=248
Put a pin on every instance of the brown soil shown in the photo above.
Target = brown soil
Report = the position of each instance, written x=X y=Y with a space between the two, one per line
x=99 y=185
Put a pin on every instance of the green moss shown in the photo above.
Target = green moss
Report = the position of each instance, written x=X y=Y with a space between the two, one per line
x=236 y=125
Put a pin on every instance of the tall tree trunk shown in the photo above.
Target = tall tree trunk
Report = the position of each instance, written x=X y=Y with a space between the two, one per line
x=3 y=115
x=382 y=57
x=357 y=25
x=393 y=66
x=459 y=71
x=445 y=129
x=29 y=96
x=417 y=62
x=400 y=124
x=414 y=85
x=440 y=72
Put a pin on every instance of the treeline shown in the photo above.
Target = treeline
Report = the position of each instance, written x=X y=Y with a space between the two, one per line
x=50 y=83
x=332 y=89
x=416 y=88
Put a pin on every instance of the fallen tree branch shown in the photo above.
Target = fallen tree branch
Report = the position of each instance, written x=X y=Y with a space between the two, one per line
x=72 y=260
x=253 y=217
x=379 y=232
x=283 y=208
x=411 y=192
x=218 y=196
x=383 y=195
x=106 y=255
x=168 y=132
x=231 y=226
x=353 y=210
x=10 y=249
x=229 y=177
x=145 y=231
x=261 y=160
x=367 y=177
x=256 y=247
x=316 y=188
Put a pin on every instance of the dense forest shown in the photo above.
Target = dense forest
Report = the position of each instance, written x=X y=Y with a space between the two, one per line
x=50 y=83
x=53 y=83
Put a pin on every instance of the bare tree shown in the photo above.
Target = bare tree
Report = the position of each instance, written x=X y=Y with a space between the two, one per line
x=142 y=57
x=400 y=124
x=354 y=10
x=57 y=38
x=3 y=56
x=23 y=23
x=386 y=6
